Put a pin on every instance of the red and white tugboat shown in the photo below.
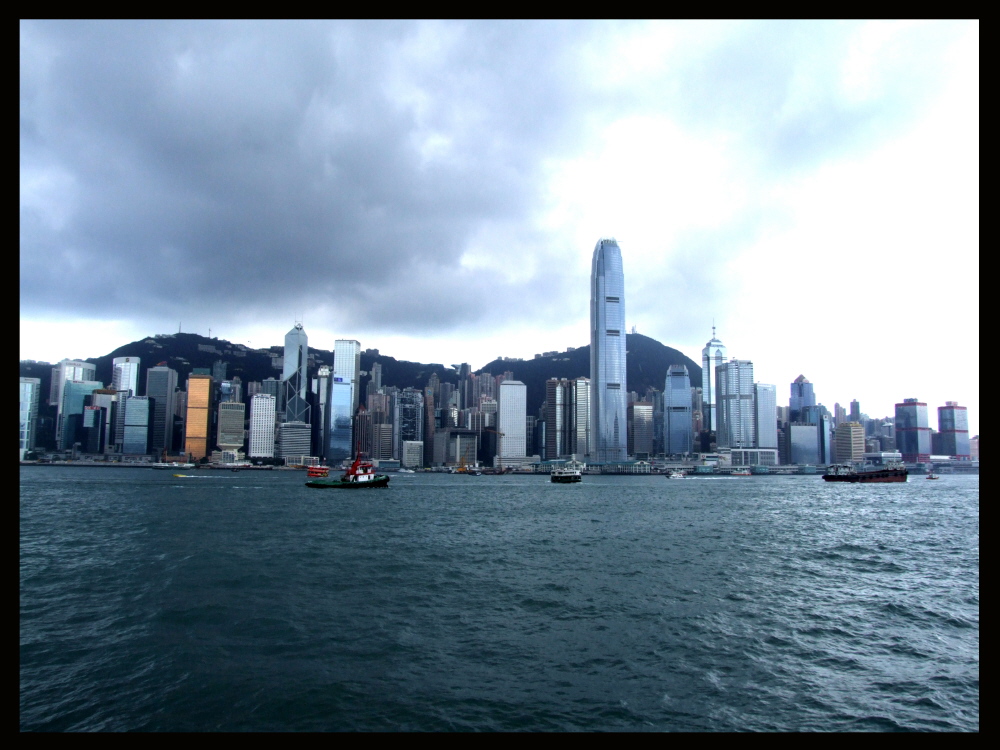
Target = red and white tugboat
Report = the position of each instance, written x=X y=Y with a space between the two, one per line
x=361 y=474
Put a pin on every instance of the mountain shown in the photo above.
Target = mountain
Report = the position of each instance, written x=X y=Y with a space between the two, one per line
x=646 y=363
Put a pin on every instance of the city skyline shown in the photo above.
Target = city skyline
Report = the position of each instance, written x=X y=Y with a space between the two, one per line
x=809 y=187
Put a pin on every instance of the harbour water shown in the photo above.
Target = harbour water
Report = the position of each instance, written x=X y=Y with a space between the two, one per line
x=246 y=601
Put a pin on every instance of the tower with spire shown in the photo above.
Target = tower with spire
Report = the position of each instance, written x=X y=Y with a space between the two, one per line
x=713 y=355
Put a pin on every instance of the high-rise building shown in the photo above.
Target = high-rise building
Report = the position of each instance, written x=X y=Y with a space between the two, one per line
x=734 y=406
x=640 y=424
x=766 y=415
x=608 y=389
x=321 y=392
x=294 y=439
x=678 y=432
x=913 y=433
x=802 y=396
x=512 y=409
x=849 y=441
x=125 y=374
x=139 y=414
x=161 y=386
x=293 y=375
x=343 y=399
x=28 y=414
x=953 y=427
x=262 y=421
x=407 y=419
x=855 y=411
x=712 y=356
x=67 y=371
x=106 y=399
x=74 y=395
x=197 y=424
x=231 y=420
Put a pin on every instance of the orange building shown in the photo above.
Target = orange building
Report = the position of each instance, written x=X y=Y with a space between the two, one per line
x=199 y=413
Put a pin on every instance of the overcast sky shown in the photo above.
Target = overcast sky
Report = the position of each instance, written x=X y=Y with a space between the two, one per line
x=435 y=190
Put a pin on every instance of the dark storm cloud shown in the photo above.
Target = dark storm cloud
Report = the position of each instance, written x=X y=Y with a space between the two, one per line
x=253 y=167
x=239 y=164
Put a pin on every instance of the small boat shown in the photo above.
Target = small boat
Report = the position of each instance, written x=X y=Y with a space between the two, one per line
x=674 y=475
x=318 y=472
x=740 y=473
x=932 y=475
x=360 y=475
x=565 y=476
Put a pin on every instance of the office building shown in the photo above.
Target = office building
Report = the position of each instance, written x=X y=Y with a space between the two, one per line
x=231 y=421
x=640 y=429
x=712 y=356
x=678 y=428
x=67 y=371
x=407 y=419
x=125 y=374
x=766 y=415
x=734 y=404
x=849 y=442
x=74 y=395
x=93 y=433
x=802 y=396
x=293 y=375
x=913 y=433
x=198 y=422
x=953 y=429
x=344 y=399
x=263 y=413
x=293 y=440
x=512 y=410
x=28 y=414
x=139 y=413
x=609 y=418
x=161 y=386
x=413 y=454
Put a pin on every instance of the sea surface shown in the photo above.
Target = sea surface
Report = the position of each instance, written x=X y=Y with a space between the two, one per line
x=247 y=601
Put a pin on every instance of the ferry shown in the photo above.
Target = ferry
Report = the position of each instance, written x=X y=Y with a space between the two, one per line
x=565 y=476
x=740 y=473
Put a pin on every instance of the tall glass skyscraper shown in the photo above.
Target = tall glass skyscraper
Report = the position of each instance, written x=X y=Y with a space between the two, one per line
x=30 y=390
x=713 y=355
x=161 y=386
x=293 y=375
x=734 y=384
x=125 y=375
x=678 y=436
x=343 y=401
x=802 y=397
x=608 y=394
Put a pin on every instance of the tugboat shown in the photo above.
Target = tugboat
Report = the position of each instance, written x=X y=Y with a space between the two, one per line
x=361 y=474
x=892 y=472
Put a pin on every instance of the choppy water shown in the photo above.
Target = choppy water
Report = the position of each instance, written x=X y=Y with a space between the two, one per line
x=249 y=602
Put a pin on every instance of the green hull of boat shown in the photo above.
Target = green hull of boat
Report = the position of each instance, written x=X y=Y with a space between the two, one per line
x=380 y=480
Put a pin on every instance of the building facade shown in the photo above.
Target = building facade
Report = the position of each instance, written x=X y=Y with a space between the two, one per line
x=913 y=433
x=138 y=425
x=293 y=375
x=344 y=399
x=262 y=421
x=198 y=422
x=28 y=414
x=953 y=429
x=512 y=410
x=231 y=425
x=608 y=393
x=766 y=415
x=734 y=406
x=678 y=428
x=712 y=356
x=849 y=442
x=161 y=386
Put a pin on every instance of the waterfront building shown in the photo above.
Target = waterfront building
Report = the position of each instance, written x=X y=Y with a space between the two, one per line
x=232 y=415
x=139 y=415
x=321 y=397
x=640 y=428
x=344 y=399
x=802 y=396
x=609 y=419
x=67 y=371
x=850 y=442
x=913 y=433
x=293 y=375
x=407 y=419
x=953 y=428
x=712 y=356
x=92 y=436
x=766 y=415
x=293 y=440
x=413 y=454
x=678 y=425
x=197 y=424
x=734 y=404
x=161 y=386
x=125 y=374
x=262 y=422
x=803 y=444
x=512 y=410
x=30 y=390
x=74 y=395
x=107 y=400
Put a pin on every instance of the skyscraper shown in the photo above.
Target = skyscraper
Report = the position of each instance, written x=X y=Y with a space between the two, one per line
x=139 y=414
x=262 y=420
x=343 y=399
x=67 y=371
x=28 y=417
x=125 y=374
x=293 y=375
x=734 y=385
x=801 y=398
x=511 y=414
x=678 y=434
x=231 y=419
x=199 y=414
x=953 y=427
x=913 y=433
x=609 y=419
x=161 y=386
x=766 y=415
x=713 y=355
x=74 y=394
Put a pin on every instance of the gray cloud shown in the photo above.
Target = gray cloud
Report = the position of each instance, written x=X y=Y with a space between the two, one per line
x=169 y=167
